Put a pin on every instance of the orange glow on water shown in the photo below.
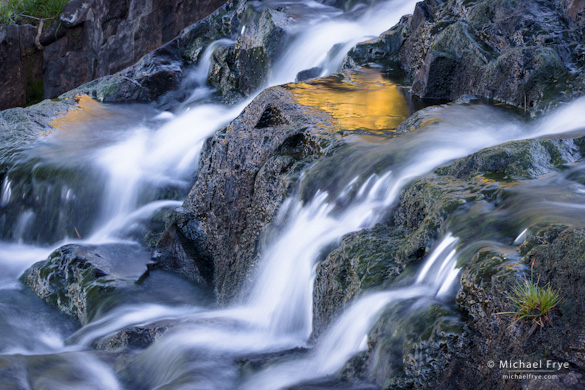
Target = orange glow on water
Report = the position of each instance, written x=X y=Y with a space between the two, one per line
x=365 y=101
x=86 y=109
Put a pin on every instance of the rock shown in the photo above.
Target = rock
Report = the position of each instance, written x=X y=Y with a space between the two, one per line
x=242 y=69
x=364 y=260
x=517 y=160
x=162 y=70
x=156 y=73
x=20 y=127
x=307 y=74
x=181 y=248
x=246 y=171
x=408 y=347
x=79 y=280
x=522 y=53
x=74 y=12
x=20 y=65
x=383 y=50
x=556 y=255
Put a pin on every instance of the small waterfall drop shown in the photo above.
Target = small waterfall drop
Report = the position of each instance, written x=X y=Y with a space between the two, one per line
x=348 y=335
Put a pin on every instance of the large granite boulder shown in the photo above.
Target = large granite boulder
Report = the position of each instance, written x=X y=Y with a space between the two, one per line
x=246 y=171
x=526 y=53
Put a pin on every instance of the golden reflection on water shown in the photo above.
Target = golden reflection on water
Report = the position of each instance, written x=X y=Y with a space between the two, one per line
x=365 y=101
x=86 y=109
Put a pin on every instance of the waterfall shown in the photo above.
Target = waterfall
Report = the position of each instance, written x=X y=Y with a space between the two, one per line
x=159 y=151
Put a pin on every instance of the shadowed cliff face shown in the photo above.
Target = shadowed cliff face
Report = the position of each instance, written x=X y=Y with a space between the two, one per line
x=92 y=39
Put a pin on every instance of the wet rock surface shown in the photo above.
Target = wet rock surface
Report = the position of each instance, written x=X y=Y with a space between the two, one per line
x=526 y=53
x=20 y=127
x=242 y=69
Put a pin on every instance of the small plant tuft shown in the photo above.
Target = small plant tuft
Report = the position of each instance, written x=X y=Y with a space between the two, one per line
x=532 y=302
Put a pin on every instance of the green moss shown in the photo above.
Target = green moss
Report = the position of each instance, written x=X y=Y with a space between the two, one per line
x=34 y=92
x=108 y=88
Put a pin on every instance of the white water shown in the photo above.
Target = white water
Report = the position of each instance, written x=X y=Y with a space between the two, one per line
x=313 y=47
x=6 y=192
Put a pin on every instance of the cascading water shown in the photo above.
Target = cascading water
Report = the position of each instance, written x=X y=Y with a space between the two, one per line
x=348 y=335
x=160 y=153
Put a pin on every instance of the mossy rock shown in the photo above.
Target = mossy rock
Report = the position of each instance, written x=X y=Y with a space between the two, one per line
x=82 y=280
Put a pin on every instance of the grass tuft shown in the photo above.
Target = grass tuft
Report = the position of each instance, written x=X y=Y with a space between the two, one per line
x=532 y=302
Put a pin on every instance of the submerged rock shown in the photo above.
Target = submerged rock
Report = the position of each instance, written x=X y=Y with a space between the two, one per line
x=80 y=280
x=138 y=337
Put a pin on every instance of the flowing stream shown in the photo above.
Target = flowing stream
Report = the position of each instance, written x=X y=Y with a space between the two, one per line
x=110 y=173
